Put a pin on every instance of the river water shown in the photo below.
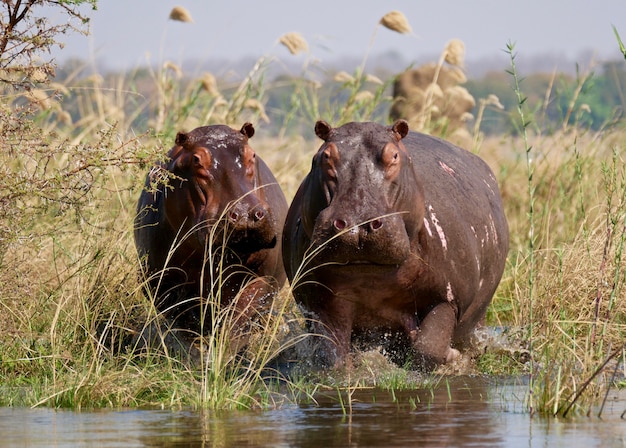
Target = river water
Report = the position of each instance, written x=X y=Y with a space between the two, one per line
x=462 y=411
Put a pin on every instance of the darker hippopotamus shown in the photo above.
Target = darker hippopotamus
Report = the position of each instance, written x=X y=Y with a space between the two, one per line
x=394 y=232
x=213 y=230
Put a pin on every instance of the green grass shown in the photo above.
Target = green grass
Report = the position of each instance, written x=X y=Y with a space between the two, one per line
x=570 y=256
x=71 y=298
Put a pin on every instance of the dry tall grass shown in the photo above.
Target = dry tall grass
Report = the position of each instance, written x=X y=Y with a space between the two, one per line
x=70 y=295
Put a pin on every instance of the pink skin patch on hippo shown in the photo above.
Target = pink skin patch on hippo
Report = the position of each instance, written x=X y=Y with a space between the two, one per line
x=488 y=185
x=449 y=295
x=438 y=228
x=446 y=168
x=494 y=230
x=427 y=225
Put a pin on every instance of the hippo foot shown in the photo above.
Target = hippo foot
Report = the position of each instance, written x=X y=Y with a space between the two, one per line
x=453 y=354
x=428 y=359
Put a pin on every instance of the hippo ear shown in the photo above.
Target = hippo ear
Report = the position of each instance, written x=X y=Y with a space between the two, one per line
x=401 y=127
x=181 y=139
x=322 y=130
x=247 y=129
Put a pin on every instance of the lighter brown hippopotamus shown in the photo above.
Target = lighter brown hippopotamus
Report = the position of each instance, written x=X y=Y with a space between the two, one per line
x=394 y=232
x=214 y=229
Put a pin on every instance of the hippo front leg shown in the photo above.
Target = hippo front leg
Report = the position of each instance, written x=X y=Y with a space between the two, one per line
x=252 y=302
x=331 y=323
x=433 y=337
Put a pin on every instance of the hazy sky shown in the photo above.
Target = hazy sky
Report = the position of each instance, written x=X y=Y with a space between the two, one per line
x=125 y=32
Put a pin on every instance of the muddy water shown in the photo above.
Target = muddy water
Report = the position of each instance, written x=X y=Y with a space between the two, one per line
x=464 y=411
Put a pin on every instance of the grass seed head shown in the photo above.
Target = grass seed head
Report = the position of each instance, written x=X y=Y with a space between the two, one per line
x=64 y=117
x=434 y=90
x=40 y=98
x=364 y=96
x=374 y=79
x=396 y=21
x=456 y=74
x=455 y=52
x=256 y=106
x=180 y=14
x=60 y=88
x=343 y=77
x=95 y=79
x=220 y=102
x=460 y=97
x=209 y=84
x=38 y=75
x=466 y=116
x=294 y=42
x=169 y=65
x=493 y=100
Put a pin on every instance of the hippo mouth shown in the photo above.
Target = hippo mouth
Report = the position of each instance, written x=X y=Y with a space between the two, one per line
x=246 y=242
x=360 y=265
x=248 y=245
x=342 y=256
x=366 y=263
x=351 y=271
x=242 y=241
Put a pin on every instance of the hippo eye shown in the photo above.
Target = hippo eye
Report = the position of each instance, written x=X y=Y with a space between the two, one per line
x=390 y=160
x=199 y=166
x=196 y=160
x=330 y=157
x=390 y=155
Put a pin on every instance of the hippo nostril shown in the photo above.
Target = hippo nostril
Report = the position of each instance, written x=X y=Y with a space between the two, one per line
x=376 y=224
x=233 y=216
x=339 y=224
x=259 y=215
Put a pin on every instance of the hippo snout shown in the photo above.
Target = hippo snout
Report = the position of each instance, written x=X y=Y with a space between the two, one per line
x=246 y=217
x=250 y=227
x=356 y=234
x=381 y=239
x=340 y=224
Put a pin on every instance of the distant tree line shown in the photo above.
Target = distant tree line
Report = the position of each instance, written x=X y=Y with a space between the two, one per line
x=592 y=100
x=589 y=99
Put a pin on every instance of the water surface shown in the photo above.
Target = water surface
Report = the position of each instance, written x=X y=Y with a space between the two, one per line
x=463 y=411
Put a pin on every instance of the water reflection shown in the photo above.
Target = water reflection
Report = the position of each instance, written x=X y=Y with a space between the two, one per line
x=465 y=412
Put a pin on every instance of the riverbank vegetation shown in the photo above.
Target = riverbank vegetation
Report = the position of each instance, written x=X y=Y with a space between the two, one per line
x=74 y=151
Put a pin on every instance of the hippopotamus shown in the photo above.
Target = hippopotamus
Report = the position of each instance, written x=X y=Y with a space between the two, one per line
x=394 y=232
x=214 y=229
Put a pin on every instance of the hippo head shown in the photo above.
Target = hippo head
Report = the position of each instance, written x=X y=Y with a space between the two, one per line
x=364 y=202
x=216 y=181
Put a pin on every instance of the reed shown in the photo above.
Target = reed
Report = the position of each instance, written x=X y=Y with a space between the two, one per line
x=567 y=264
x=72 y=301
x=530 y=169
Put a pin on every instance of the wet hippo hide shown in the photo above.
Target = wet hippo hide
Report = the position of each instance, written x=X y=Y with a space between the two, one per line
x=394 y=232
x=209 y=224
